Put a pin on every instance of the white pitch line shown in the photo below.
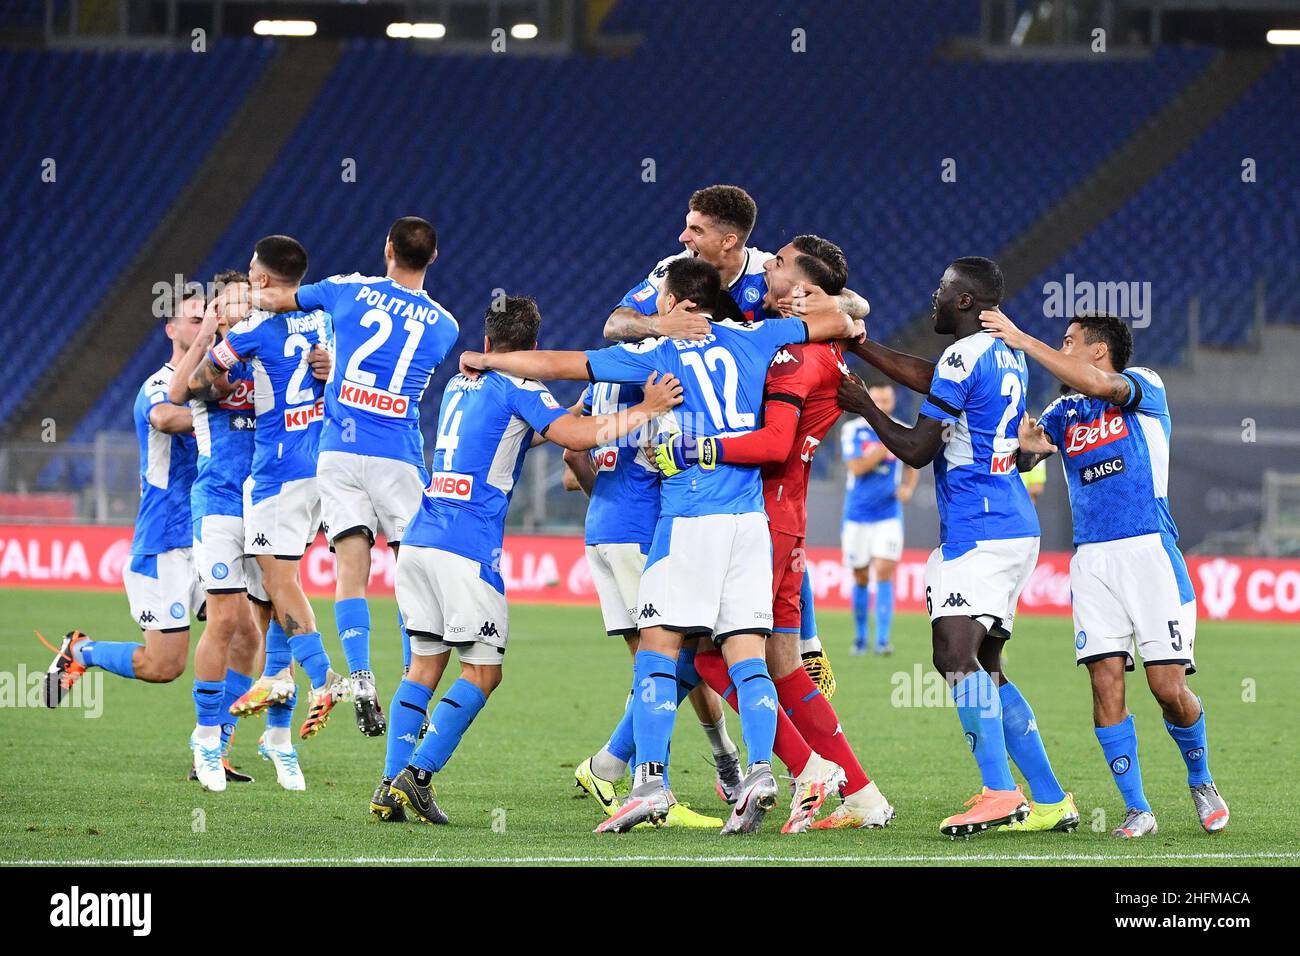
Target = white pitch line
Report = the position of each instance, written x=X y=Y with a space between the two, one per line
x=954 y=859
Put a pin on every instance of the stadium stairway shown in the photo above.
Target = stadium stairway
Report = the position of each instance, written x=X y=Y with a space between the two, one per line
x=1116 y=179
x=183 y=238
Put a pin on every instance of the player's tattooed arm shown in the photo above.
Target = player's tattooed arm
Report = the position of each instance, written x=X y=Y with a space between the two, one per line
x=208 y=382
x=1035 y=444
x=581 y=432
x=915 y=446
x=853 y=305
x=909 y=371
x=629 y=325
x=1075 y=373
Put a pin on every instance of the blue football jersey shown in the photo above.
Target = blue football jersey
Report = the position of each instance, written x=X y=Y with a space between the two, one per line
x=722 y=388
x=979 y=387
x=485 y=427
x=869 y=497
x=624 y=502
x=1116 y=460
x=288 y=399
x=388 y=340
x=224 y=432
x=748 y=289
x=166 y=474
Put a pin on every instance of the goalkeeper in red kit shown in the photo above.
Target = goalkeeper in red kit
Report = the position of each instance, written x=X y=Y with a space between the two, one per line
x=799 y=408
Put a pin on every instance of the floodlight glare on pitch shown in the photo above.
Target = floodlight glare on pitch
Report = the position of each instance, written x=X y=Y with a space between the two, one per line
x=417 y=31
x=1283 y=37
x=524 y=31
x=285 y=28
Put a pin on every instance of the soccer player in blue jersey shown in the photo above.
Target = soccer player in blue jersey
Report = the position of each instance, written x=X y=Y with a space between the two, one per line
x=968 y=429
x=709 y=569
x=876 y=487
x=623 y=485
x=1129 y=585
x=448 y=583
x=281 y=500
x=389 y=337
x=160 y=583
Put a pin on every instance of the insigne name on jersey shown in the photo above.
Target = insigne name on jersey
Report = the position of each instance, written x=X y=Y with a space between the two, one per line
x=1101 y=431
x=312 y=322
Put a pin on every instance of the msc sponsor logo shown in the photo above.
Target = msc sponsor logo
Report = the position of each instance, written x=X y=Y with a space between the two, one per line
x=1086 y=436
x=448 y=484
x=1102 y=469
x=296 y=419
x=374 y=399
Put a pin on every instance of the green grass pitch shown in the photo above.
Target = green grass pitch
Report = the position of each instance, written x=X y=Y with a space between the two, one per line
x=112 y=787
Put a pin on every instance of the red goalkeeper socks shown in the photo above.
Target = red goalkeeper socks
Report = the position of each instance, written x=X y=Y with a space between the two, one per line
x=815 y=719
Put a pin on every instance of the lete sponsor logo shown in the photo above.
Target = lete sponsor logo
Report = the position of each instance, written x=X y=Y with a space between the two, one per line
x=1102 y=431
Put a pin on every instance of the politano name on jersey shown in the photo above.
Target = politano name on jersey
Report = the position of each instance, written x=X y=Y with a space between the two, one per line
x=225 y=432
x=167 y=471
x=722 y=389
x=748 y=288
x=624 y=502
x=287 y=398
x=388 y=340
x=979 y=389
x=485 y=427
x=1116 y=460
x=873 y=496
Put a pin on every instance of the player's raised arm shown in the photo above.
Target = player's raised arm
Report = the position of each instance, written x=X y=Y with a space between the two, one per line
x=581 y=432
x=907 y=370
x=915 y=446
x=1074 y=372
x=537 y=364
x=275 y=298
x=171 y=419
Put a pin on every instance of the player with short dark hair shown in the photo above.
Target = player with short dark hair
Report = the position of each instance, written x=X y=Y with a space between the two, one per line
x=159 y=577
x=799 y=408
x=449 y=584
x=989 y=538
x=389 y=338
x=1129 y=586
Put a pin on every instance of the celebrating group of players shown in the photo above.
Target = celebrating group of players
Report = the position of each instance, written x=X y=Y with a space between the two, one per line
x=288 y=408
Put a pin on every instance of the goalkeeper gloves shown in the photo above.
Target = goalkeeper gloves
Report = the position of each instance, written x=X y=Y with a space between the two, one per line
x=680 y=452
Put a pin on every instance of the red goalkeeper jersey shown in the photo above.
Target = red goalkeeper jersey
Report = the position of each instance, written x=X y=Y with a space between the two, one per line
x=799 y=408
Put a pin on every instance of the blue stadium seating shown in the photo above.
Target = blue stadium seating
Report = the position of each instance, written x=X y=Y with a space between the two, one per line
x=532 y=168
x=1198 y=229
x=126 y=131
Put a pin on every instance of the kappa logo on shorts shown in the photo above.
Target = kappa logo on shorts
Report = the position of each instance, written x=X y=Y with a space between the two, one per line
x=148 y=618
x=178 y=610
x=489 y=629
x=260 y=541
x=955 y=600
x=648 y=611
x=1119 y=766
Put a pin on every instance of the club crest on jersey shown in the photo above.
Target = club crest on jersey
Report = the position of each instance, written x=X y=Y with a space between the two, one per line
x=449 y=484
x=296 y=419
x=1086 y=436
x=751 y=294
x=373 y=399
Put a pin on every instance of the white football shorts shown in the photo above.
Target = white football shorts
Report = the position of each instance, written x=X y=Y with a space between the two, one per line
x=163 y=590
x=451 y=601
x=709 y=574
x=283 y=524
x=364 y=492
x=616 y=572
x=219 y=558
x=1133 y=593
x=863 y=541
x=980 y=580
